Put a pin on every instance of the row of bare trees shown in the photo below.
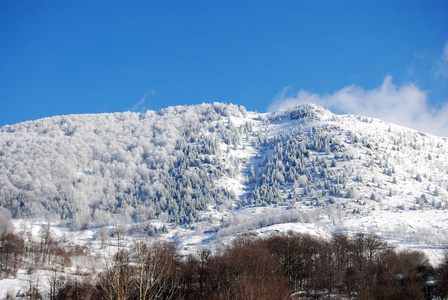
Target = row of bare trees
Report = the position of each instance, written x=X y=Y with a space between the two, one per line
x=35 y=255
x=358 y=267
x=276 y=267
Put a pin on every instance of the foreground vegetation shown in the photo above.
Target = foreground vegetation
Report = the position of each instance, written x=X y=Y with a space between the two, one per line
x=275 y=267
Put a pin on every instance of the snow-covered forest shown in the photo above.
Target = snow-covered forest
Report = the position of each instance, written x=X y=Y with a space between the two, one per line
x=87 y=168
x=167 y=165
x=200 y=175
x=188 y=164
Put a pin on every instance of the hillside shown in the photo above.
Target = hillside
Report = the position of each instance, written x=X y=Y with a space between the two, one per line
x=200 y=174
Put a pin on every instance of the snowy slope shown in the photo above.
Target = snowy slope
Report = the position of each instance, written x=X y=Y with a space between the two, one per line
x=212 y=171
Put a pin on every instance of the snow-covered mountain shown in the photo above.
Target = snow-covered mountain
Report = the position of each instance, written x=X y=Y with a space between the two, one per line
x=203 y=173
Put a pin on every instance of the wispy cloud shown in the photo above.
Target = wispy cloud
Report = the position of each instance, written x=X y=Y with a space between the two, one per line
x=442 y=63
x=405 y=105
x=142 y=105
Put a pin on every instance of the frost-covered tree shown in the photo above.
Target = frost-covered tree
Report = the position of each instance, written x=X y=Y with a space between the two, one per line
x=84 y=165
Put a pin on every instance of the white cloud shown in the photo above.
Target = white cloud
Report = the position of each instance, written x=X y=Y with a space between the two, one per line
x=405 y=105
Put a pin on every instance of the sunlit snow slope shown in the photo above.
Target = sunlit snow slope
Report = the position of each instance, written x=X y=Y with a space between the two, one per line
x=216 y=170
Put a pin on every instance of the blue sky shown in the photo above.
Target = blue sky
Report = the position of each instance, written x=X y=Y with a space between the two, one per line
x=69 y=57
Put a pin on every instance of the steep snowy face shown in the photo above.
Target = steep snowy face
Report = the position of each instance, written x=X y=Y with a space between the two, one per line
x=198 y=165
